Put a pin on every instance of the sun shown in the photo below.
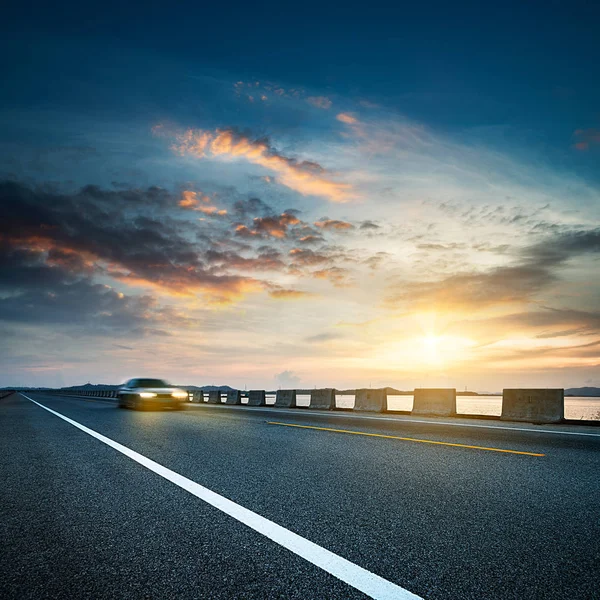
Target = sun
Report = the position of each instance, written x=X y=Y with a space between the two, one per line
x=431 y=344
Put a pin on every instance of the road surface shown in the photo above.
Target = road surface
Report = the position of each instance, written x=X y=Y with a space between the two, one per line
x=238 y=502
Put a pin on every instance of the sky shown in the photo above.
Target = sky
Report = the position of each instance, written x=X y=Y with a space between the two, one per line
x=265 y=195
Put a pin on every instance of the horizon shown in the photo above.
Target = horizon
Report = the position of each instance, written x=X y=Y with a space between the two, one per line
x=392 y=200
x=459 y=392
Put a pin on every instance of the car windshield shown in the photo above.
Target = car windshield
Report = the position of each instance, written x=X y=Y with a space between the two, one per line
x=151 y=383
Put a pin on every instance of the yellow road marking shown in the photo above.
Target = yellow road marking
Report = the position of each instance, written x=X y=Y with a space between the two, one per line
x=405 y=439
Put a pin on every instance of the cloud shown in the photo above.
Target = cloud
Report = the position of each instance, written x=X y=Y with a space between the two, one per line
x=549 y=355
x=35 y=292
x=347 y=118
x=105 y=232
x=306 y=257
x=319 y=101
x=443 y=247
x=286 y=294
x=288 y=379
x=305 y=177
x=212 y=211
x=311 y=239
x=501 y=285
x=324 y=337
x=537 y=266
x=369 y=225
x=267 y=260
x=337 y=275
x=332 y=224
x=586 y=138
x=275 y=226
x=191 y=200
x=247 y=233
x=542 y=322
x=375 y=261
x=558 y=248
x=253 y=206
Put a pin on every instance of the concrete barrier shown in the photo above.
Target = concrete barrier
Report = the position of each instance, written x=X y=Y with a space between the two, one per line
x=439 y=402
x=256 y=398
x=369 y=400
x=533 y=406
x=285 y=399
x=322 y=399
x=214 y=397
x=234 y=397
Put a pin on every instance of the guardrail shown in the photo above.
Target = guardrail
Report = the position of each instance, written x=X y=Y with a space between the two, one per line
x=529 y=405
x=78 y=393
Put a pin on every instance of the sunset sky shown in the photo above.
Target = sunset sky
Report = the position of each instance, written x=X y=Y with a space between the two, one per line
x=270 y=195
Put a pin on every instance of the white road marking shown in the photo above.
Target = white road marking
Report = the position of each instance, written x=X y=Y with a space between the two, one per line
x=370 y=584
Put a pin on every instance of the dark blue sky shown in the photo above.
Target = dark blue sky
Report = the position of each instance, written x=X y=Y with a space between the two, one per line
x=453 y=63
x=525 y=72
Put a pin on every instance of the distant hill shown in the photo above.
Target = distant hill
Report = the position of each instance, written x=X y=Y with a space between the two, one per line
x=583 y=391
x=91 y=386
x=191 y=388
x=394 y=392
x=207 y=388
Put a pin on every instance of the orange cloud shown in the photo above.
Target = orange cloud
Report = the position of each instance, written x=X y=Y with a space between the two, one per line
x=188 y=200
x=336 y=275
x=307 y=178
x=212 y=211
x=191 y=201
x=347 y=118
x=319 y=102
x=170 y=279
x=216 y=289
x=334 y=224
x=310 y=239
x=243 y=231
x=275 y=226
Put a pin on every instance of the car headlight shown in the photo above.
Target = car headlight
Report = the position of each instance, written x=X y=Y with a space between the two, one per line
x=147 y=394
x=179 y=394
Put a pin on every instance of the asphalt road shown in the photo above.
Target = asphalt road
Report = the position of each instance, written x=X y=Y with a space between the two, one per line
x=80 y=519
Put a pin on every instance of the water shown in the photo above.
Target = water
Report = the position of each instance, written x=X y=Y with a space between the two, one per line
x=577 y=407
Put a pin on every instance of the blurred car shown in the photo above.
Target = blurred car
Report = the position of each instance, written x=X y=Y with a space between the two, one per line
x=141 y=393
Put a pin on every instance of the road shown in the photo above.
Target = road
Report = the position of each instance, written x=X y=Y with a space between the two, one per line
x=238 y=502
